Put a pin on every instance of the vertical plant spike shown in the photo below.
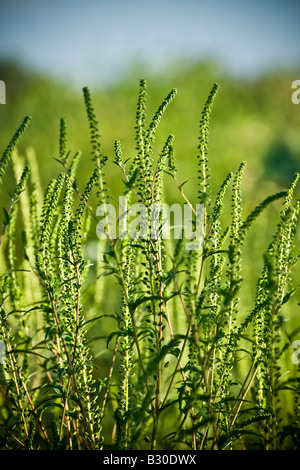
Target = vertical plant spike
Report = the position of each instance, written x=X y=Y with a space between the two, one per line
x=12 y=370
x=195 y=260
x=124 y=413
x=21 y=184
x=140 y=162
x=63 y=141
x=171 y=157
x=144 y=140
x=161 y=166
x=62 y=236
x=94 y=125
x=203 y=170
x=231 y=298
x=256 y=212
x=237 y=203
x=125 y=342
x=11 y=252
x=214 y=235
x=141 y=121
x=12 y=145
x=72 y=170
x=118 y=153
x=211 y=292
x=29 y=285
x=270 y=293
x=50 y=203
x=151 y=131
x=35 y=179
x=96 y=143
x=15 y=293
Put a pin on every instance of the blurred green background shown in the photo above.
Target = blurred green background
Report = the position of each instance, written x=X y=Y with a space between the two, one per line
x=253 y=120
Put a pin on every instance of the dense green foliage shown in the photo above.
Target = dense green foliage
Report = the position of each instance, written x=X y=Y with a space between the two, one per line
x=139 y=343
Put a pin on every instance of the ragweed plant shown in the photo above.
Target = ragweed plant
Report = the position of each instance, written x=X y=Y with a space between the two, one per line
x=196 y=361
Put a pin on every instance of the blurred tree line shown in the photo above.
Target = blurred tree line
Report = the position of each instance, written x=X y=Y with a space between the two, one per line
x=253 y=119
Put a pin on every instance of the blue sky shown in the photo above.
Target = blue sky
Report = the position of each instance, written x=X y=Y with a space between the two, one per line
x=94 y=40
